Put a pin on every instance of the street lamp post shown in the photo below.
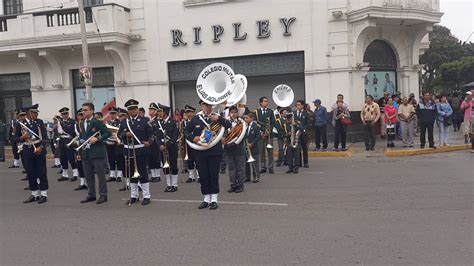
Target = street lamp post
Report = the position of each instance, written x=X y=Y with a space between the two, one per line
x=85 y=50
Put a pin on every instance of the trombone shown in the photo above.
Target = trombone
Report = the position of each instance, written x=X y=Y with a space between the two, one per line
x=250 y=158
x=31 y=133
x=136 y=174
x=73 y=142
x=268 y=132
x=165 y=152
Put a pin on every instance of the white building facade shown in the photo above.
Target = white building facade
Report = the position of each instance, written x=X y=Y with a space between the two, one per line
x=153 y=50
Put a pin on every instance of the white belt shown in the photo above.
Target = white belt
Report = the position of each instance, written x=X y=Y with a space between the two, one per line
x=31 y=143
x=134 y=146
x=65 y=136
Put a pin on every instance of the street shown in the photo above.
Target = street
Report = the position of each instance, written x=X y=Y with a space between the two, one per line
x=360 y=210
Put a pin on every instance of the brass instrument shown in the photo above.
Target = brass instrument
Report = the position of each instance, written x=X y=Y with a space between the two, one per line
x=165 y=152
x=233 y=133
x=135 y=166
x=268 y=132
x=183 y=148
x=31 y=133
x=113 y=138
x=74 y=142
x=295 y=134
x=87 y=141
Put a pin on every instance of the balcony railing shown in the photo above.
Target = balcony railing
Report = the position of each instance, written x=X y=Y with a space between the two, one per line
x=108 y=18
x=428 y=5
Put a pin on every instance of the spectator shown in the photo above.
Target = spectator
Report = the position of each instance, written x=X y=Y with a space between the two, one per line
x=369 y=116
x=455 y=103
x=426 y=113
x=311 y=129
x=382 y=102
x=466 y=109
x=3 y=139
x=390 y=121
x=406 y=115
x=414 y=103
x=177 y=116
x=443 y=120
x=340 y=129
x=320 y=121
x=334 y=107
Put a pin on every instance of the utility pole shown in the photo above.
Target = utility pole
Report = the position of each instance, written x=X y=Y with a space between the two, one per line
x=85 y=49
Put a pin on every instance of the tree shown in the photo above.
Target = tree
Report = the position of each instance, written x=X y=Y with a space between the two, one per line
x=444 y=47
x=454 y=75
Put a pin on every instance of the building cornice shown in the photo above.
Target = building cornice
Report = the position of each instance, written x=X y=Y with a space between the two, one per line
x=373 y=12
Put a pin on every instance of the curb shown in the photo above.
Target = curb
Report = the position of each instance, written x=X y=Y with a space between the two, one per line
x=412 y=152
x=326 y=154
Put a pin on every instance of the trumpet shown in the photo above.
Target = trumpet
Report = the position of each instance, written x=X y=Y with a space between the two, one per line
x=74 y=142
x=268 y=132
x=85 y=143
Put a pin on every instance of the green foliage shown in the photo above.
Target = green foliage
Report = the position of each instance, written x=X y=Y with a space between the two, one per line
x=448 y=55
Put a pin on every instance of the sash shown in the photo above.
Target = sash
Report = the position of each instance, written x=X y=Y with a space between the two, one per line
x=131 y=131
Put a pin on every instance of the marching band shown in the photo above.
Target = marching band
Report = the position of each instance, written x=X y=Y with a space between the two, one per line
x=130 y=146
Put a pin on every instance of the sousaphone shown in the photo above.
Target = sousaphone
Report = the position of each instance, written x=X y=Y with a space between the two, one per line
x=215 y=84
x=238 y=98
x=283 y=95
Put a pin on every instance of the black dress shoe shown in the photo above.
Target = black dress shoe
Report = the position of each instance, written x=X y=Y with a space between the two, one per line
x=80 y=187
x=168 y=189
x=119 y=179
x=432 y=147
x=295 y=171
x=31 y=198
x=62 y=178
x=88 y=199
x=255 y=180
x=124 y=188
x=372 y=149
x=189 y=180
x=231 y=190
x=13 y=166
x=24 y=171
x=239 y=189
x=111 y=179
x=26 y=188
x=278 y=164
x=24 y=178
x=155 y=179
x=367 y=148
x=306 y=166
x=146 y=201
x=42 y=199
x=263 y=171
x=247 y=180
x=101 y=200
x=132 y=201
x=270 y=171
x=213 y=206
x=54 y=166
x=289 y=171
x=203 y=205
x=74 y=178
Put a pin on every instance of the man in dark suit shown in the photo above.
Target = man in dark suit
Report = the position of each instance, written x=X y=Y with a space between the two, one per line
x=208 y=160
x=302 y=118
x=31 y=131
x=253 y=139
x=93 y=153
x=135 y=133
x=265 y=121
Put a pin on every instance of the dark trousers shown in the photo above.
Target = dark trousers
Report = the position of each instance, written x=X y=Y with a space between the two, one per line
x=95 y=166
x=252 y=167
x=154 y=160
x=80 y=169
x=304 y=148
x=369 y=134
x=172 y=160
x=293 y=156
x=426 y=127
x=191 y=161
x=67 y=155
x=236 y=165
x=2 y=151
x=339 y=135
x=16 y=155
x=266 y=154
x=115 y=158
x=141 y=165
x=281 y=157
x=35 y=166
x=208 y=168
x=321 y=136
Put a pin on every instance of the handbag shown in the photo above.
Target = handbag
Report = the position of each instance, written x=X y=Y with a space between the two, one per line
x=346 y=121
x=391 y=132
x=448 y=121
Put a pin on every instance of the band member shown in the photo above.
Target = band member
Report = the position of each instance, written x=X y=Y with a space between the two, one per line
x=141 y=112
x=282 y=132
x=32 y=132
x=114 y=149
x=167 y=141
x=253 y=138
x=265 y=121
x=302 y=117
x=154 y=162
x=53 y=138
x=191 y=162
x=123 y=115
x=67 y=130
x=20 y=115
x=80 y=168
x=135 y=134
x=93 y=134
x=206 y=160
x=235 y=157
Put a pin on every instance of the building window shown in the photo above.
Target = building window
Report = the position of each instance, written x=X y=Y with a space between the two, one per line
x=93 y=2
x=12 y=7
x=382 y=76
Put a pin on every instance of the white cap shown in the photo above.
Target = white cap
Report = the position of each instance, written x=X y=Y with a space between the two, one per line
x=468 y=93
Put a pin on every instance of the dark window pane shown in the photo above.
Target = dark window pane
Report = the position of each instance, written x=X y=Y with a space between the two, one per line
x=380 y=55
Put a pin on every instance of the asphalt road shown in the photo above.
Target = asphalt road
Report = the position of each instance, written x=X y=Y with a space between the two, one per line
x=377 y=210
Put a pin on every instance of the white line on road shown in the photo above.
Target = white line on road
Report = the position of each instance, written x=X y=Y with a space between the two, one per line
x=223 y=202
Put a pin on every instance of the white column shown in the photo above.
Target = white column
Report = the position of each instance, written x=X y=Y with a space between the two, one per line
x=1 y=8
x=405 y=85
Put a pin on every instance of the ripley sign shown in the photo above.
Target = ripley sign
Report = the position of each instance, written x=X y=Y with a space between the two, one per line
x=263 y=31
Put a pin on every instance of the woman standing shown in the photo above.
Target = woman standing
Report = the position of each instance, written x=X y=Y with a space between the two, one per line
x=390 y=121
x=340 y=128
x=443 y=120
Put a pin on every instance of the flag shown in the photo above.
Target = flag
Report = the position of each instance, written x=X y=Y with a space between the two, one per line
x=105 y=109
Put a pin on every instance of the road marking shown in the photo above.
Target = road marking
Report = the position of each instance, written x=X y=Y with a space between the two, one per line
x=223 y=202
x=312 y=172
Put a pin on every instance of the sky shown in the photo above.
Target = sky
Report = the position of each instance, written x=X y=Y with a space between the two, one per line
x=459 y=17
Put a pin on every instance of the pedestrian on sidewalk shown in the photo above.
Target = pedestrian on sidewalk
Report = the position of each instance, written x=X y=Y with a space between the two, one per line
x=390 y=121
x=369 y=116
x=466 y=108
x=382 y=102
x=3 y=139
x=340 y=128
x=455 y=103
x=320 y=122
x=407 y=115
x=426 y=113
x=443 y=120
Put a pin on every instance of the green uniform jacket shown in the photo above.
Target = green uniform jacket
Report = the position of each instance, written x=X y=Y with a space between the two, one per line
x=97 y=150
x=280 y=125
x=304 y=120
x=253 y=137
x=261 y=119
